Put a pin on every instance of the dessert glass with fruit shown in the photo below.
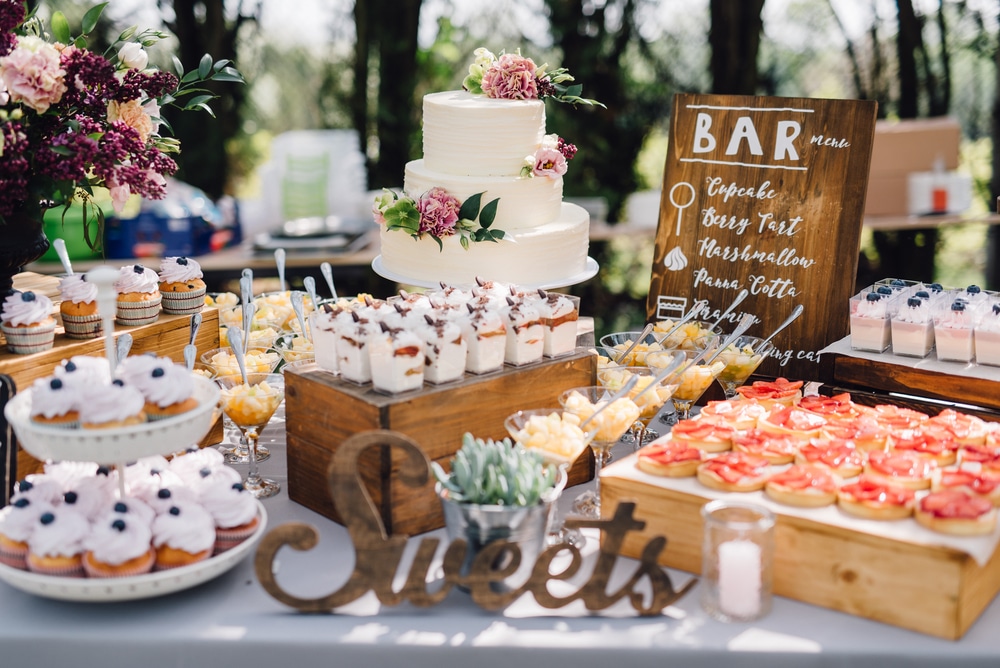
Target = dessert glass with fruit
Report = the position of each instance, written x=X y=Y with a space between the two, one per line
x=557 y=436
x=222 y=362
x=617 y=344
x=647 y=393
x=741 y=357
x=691 y=382
x=610 y=419
x=250 y=406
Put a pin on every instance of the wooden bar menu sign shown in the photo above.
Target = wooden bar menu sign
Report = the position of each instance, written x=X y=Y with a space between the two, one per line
x=766 y=195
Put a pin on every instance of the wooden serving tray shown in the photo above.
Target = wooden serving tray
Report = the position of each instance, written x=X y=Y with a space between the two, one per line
x=931 y=589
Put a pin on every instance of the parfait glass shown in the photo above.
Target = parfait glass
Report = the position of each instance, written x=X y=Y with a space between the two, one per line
x=609 y=421
x=516 y=425
x=250 y=406
x=648 y=399
x=692 y=335
x=223 y=364
x=741 y=357
x=692 y=382
x=616 y=344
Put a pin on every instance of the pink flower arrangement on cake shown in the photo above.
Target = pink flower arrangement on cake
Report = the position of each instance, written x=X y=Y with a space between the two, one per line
x=550 y=159
x=512 y=76
x=72 y=119
x=438 y=214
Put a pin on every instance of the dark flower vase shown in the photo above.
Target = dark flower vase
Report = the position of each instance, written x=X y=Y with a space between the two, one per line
x=22 y=240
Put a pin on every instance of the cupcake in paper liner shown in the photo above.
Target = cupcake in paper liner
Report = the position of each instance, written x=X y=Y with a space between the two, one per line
x=27 y=322
x=181 y=286
x=55 y=546
x=78 y=307
x=183 y=535
x=138 y=296
x=233 y=509
x=119 y=547
x=17 y=521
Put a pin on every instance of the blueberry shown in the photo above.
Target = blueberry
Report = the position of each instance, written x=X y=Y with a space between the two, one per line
x=70 y=366
x=118 y=525
x=913 y=302
x=158 y=372
x=896 y=283
x=884 y=290
x=28 y=296
x=923 y=294
x=205 y=472
x=958 y=305
x=70 y=497
x=175 y=511
x=238 y=486
x=996 y=309
x=119 y=382
x=47 y=518
x=121 y=507
x=22 y=503
x=973 y=289
x=163 y=494
x=24 y=486
x=154 y=471
x=103 y=470
x=936 y=287
x=182 y=261
x=873 y=296
x=139 y=269
x=56 y=384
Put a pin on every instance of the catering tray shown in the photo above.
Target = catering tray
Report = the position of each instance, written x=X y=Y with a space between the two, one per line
x=150 y=585
x=863 y=568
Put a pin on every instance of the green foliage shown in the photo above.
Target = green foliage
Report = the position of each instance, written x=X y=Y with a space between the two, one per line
x=496 y=473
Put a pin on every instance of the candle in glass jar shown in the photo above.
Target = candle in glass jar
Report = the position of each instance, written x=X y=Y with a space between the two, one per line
x=739 y=578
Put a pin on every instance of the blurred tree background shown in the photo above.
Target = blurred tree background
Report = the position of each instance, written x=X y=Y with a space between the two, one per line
x=347 y=64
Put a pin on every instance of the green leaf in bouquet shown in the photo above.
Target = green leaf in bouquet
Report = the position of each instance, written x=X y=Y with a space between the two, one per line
x=178 y=66
x=128 y=33
x=60 y=28
x=205 y=66
x=489 y=213
x=91 y=18
x=470 y=207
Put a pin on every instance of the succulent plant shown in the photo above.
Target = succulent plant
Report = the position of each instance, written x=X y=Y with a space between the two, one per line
x=496 y=473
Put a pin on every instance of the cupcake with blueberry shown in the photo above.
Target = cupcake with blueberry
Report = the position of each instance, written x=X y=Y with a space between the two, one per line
x=130 y=508
x=39 y=487
x=55 y=546
x=27 y=323
x=113 y=405
x=183 y=535
x=90 y=496
x=119 y=547
x=54 y=404
x=167 y=388
x=181 y=286
x=17 y=521
x=138 y=296
x=233 y=509
x=84 y=371
x=78 y=307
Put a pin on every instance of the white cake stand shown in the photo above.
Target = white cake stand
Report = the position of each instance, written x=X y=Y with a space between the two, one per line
x=590 y=270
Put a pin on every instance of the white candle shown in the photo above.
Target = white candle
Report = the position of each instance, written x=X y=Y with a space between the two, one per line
x=739 y=578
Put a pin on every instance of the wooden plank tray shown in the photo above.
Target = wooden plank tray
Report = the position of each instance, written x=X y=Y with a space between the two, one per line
x=935 y=590
x=322 y=411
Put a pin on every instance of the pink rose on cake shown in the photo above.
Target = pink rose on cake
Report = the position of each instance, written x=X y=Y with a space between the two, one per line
x=514 y=77
x=511 y=77
x=549 y=162
x=438 y=212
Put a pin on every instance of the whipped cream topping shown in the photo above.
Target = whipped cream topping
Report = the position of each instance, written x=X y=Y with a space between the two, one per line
x=67 y=473
x=990 y=321
x=160 y=495
x=915 y=310
x=77 y=289
x=133 y=369
x=115 y=541
x=229 y=504
x=130 y=508
x=188 y=465
x=18 y=520
x=521 y=315
x=484 y=322
x=39 y=487
x=871 y=308
x=164 y=383
x=136 y=278
x=58 y=533
x=51 y=397
x=179 y=270
x=110 y=403
x=185 y=526
x=26 y=308
x=84 y=370
x=90 y=496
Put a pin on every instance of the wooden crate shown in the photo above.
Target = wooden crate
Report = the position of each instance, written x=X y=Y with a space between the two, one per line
x=935 y=590
x=322 y=411
x=167 y=337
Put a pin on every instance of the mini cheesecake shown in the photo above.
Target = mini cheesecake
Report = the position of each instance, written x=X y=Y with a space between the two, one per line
x=984 y=484
x=803 y=486
x=905 y=469
x=841 y=457
x=775 y=448
x=873 y=499
x=941 y=449
x=793 y=422
x=779 y=391
x=671 y=459
x=706 y=435
x=965 y=429
x=734 y=472
x=956 y=512
x=740 y=415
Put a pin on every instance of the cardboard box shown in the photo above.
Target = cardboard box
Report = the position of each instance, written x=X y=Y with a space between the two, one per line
x=935 y=590
x=902 y=147
x=322 y=411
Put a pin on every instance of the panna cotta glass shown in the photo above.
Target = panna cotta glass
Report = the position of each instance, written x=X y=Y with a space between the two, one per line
x=870 y=329
x=913 y=328
x=953 y=333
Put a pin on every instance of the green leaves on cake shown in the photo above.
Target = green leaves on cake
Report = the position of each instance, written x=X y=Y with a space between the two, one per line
x=496 y=473
x=514 y=77
x=438 y=214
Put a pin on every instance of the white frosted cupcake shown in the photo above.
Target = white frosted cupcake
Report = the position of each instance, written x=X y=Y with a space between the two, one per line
x=114 y=405
x=128 y=507
x=78 y=307
x=233 y=509
x=17 y=521
x=181 y=286
x=55 y=546
x=27 y=322
x=189 y=464
x=90 y=496
x=84 y=371
x=138 y=296
x=183 y=535
x=168 y=388
x=117 y=548
x=55 y=403
x=39 y=487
